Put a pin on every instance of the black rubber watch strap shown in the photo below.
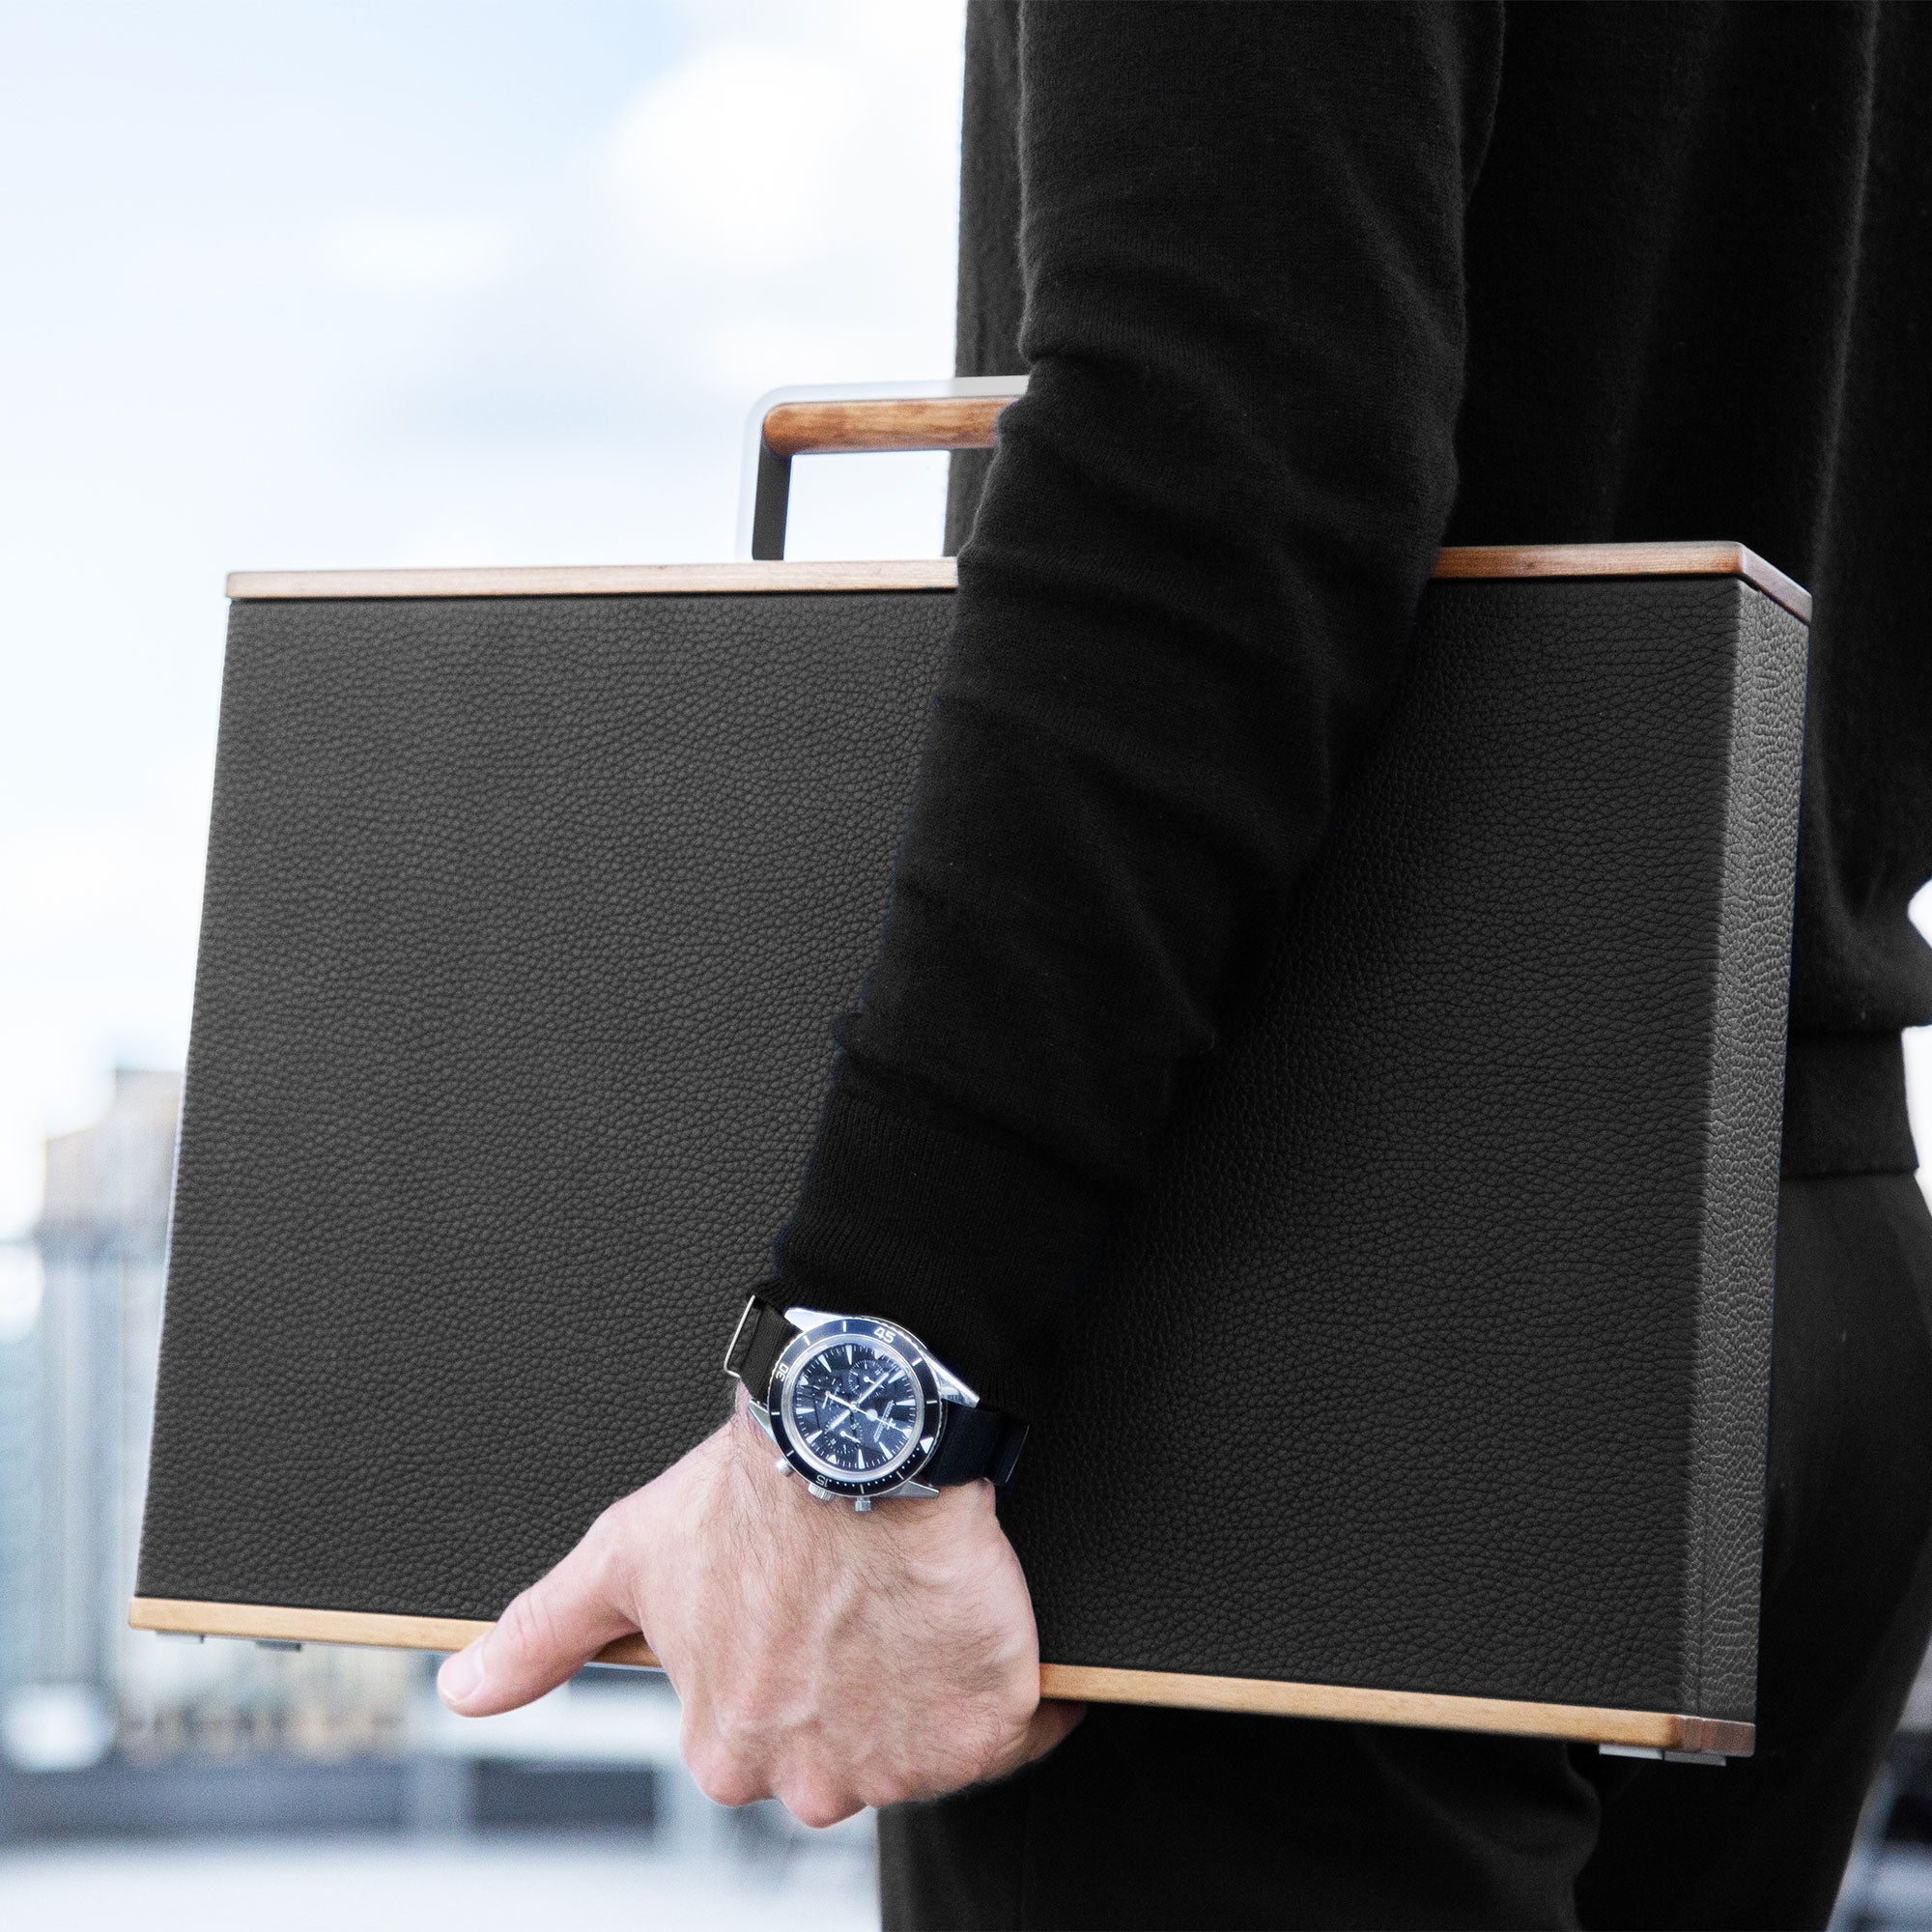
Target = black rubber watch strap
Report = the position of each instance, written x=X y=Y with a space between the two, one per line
x=762 y=1335
x=975 y=1442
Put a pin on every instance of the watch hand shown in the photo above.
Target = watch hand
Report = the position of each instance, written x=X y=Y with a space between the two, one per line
x=854 y=1412
x=842 y=1426
x=871 y=1389
x=881 y=1419
x=874 y=1387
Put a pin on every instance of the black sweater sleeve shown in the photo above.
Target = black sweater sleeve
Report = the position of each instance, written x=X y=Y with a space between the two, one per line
x=1188 y=594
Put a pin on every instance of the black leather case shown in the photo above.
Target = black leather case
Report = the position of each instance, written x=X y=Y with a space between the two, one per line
x=1433 y=1361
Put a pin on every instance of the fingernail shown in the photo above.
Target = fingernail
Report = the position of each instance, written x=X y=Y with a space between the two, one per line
x=462 y=1675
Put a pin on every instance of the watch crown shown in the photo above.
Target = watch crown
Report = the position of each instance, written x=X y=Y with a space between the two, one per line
x=824 y=1495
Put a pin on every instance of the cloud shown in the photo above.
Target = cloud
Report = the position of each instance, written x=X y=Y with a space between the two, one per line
x=778 y=206
x=98 y=917
x=484 y=336
x=94 y=882
x=740 y=161
x=391 y=252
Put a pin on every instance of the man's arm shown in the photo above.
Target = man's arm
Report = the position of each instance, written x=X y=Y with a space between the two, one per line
x=1181 y=614
x=1186 y=598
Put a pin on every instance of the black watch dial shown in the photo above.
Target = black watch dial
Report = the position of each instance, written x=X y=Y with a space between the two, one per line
x=852 y=1409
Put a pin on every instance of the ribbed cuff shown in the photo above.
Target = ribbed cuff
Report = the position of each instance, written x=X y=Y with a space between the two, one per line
x=1844 y=1105
x=974 y=1245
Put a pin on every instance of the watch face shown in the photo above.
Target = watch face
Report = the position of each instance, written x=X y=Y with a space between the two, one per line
x=854 y=1410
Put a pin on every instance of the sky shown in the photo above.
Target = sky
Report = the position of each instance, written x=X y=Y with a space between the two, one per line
x=337 y=283
x=419 y=282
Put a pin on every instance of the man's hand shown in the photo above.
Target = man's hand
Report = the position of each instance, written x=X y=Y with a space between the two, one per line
x=824 y=1657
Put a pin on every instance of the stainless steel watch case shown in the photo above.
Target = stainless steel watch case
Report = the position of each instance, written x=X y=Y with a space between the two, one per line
x=936 y=1386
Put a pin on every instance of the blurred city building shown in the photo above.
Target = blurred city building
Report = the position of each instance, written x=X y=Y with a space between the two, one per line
x=19 y=1461
x=101 y=1240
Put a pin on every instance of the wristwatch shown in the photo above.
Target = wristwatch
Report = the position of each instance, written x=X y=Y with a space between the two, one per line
x=861 y=1409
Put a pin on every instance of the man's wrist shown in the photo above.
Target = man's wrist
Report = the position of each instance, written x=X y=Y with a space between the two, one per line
x=746 y=1431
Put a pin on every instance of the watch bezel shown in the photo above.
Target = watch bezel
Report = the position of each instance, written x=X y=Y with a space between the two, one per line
x=905 y=1349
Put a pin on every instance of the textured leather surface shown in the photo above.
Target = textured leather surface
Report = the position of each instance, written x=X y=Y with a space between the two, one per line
x=1733 y=1369
x=1493 y=1167
x=526 y=924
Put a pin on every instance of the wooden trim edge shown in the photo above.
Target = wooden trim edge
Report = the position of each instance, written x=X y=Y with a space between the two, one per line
x=856 y=424
x=593 y=579
x=1655 y=1730
x=1627 y=559
x=621 y=579
x=370 y=1629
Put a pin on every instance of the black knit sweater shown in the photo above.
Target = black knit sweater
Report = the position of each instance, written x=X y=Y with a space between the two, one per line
x=1307 y=291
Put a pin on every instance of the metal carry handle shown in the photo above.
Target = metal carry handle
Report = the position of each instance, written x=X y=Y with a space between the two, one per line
x=957 y=414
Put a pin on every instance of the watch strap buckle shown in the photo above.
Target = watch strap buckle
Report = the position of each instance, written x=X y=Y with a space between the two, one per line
x=758 y=1342
x=737 y=1350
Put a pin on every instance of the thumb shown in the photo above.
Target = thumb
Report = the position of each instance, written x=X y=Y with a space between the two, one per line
x=546 y=1635
x=1051 y=1719
x=1049 y=1725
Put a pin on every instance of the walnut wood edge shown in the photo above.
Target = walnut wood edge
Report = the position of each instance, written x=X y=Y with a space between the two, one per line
x=1627 y=559
x=594 y=580
x=857 y=424
x=1656 y=1730
x=372 y=1629
x=622 y=580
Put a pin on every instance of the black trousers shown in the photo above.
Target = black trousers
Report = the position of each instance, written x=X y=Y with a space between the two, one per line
x=1169 y=1818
